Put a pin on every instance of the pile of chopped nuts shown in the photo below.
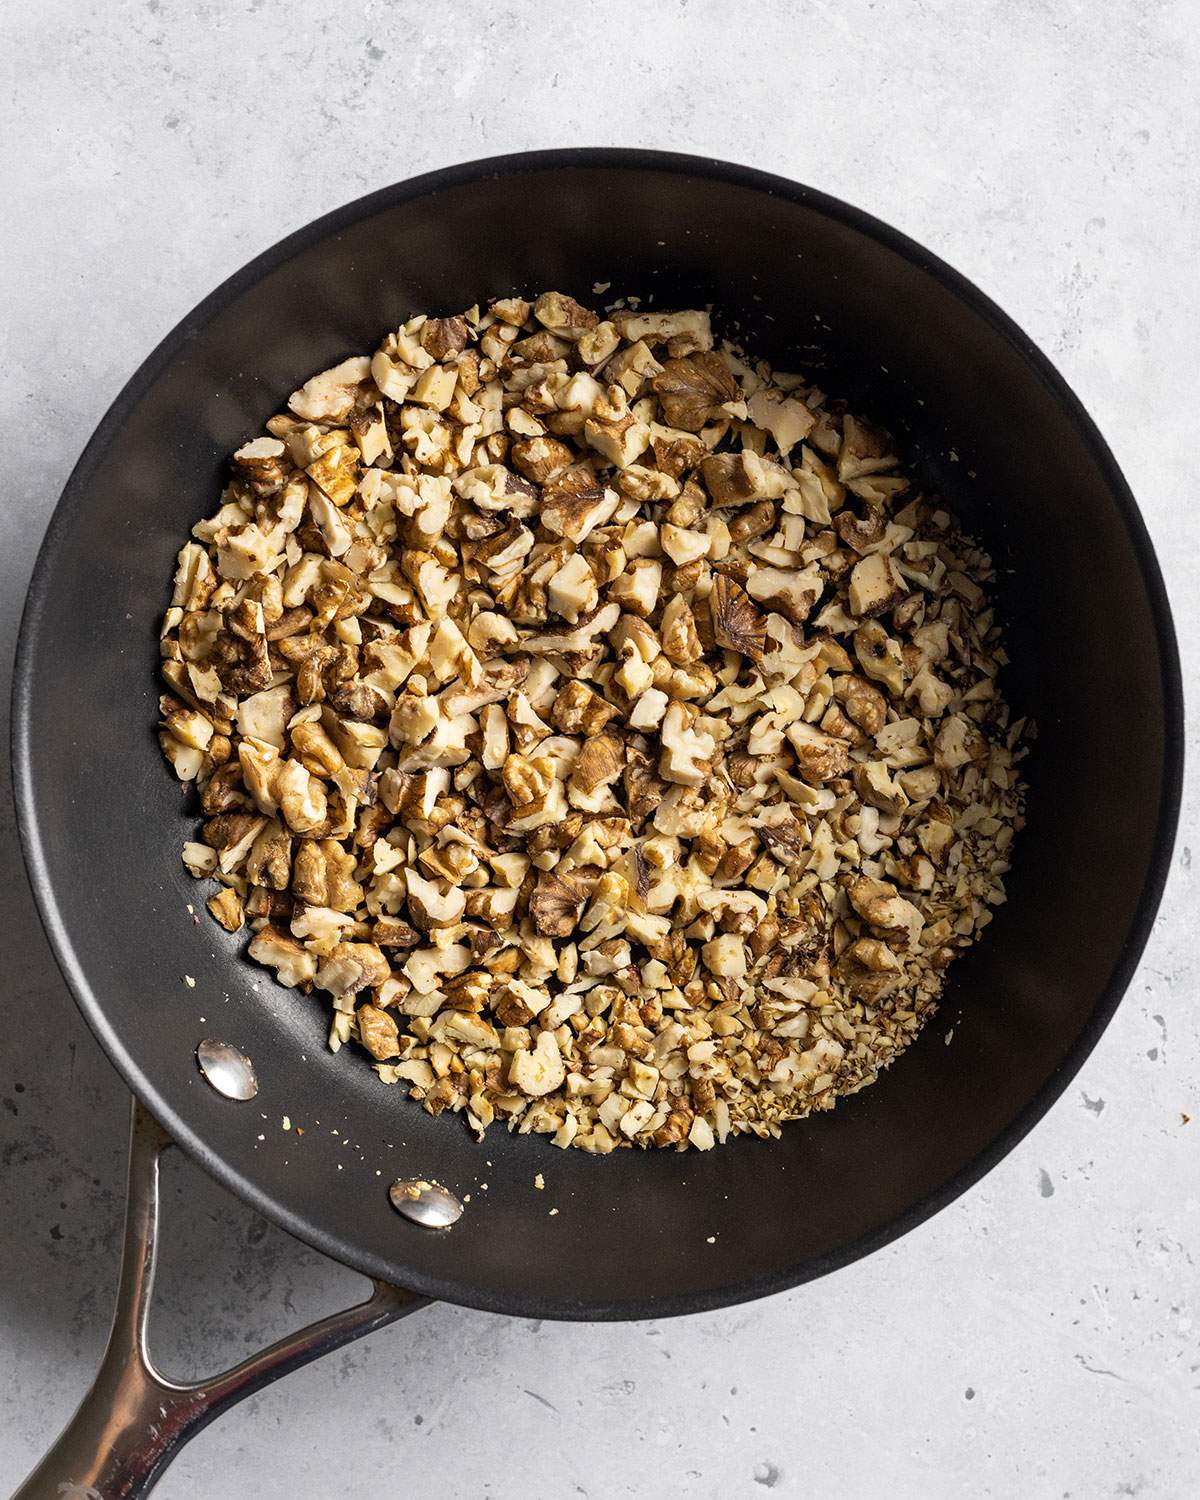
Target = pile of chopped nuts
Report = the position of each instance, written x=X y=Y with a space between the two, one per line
x=597 y=717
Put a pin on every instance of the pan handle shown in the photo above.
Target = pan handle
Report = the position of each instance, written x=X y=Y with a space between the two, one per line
x=133 y=1420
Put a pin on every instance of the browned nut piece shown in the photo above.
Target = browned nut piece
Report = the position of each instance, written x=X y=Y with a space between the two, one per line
x=378 y=1032
x=563 y=315
x=600 y=761
x=579 y=710
x=555 y=905
x=441 y=337
x=226 y=907
x=860 y=533
x=819 y=756
x=864 y=705
x=694 y=390
x=737 y=625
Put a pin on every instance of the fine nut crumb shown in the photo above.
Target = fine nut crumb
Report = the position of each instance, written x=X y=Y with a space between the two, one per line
x=539 y=1182
x=605 y=722
x=189 y=981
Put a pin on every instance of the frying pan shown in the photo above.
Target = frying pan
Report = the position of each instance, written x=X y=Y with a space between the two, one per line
x=811 y=284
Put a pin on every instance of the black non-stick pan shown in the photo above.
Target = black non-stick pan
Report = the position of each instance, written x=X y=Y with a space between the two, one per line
x=811 y=283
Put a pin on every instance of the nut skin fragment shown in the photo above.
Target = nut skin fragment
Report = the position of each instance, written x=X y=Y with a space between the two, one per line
x=587 y=701
x=540 y=459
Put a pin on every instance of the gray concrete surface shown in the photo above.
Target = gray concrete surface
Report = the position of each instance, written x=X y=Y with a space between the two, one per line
x=1039 y=1338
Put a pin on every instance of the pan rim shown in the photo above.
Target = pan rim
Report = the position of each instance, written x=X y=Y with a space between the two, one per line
x=531 y=1304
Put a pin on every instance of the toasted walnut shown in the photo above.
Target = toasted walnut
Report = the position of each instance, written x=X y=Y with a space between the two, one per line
x=820 y=757
x=226 y=907
x=579 y=710
x=680 y=640
x=575 y=503
x=738 y=478
x=575 y=702
x=540 y=1071
x=600 y=761
x=564 y=315
x=694 y=390
x=864 y=705
x=880 y=656
x=555 y=905
x=737 y=625
x=284 y=954
x=875 y=585
x=541 y=458
x=789 y=591
x=378 y=1032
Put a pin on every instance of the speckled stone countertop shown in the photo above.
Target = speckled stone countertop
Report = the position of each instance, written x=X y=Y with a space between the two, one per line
x=1037 y=1339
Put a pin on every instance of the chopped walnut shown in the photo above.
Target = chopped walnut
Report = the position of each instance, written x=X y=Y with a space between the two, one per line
x=597 y=719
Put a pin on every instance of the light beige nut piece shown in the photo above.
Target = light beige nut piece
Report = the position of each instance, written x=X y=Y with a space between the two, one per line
x=879 y=903
x=563 y=315
x=281 y=952
x=539 y=1071
x=725 y=956
x=880 y=656
x=932 y=694
x=684 y=546
x=677 y=633
x=687 y=752
x=351 y=967
x=788 y=421
x=864 y=450
x=619 y=439
x=330 y=396
x=637 y=588
x=877 y=788
x=199 y=859
x=647 y=712
x=958 y=743
x=875 y=585
x=791 y=592
x=691 y=325
x=572 y=590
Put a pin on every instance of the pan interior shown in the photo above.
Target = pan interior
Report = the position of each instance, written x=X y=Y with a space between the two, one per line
x=636 y=1234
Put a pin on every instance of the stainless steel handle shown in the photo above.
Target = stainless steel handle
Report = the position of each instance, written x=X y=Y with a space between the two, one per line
x=134 y=1420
